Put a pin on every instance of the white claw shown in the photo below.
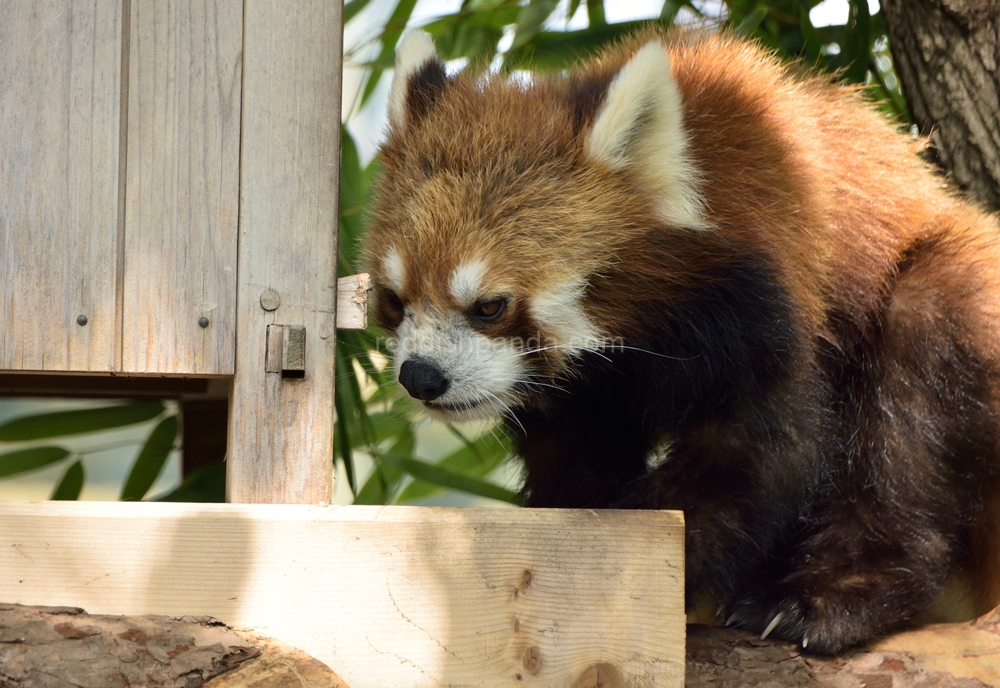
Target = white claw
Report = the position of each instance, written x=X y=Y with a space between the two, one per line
x=805 y=642
x=770 y=627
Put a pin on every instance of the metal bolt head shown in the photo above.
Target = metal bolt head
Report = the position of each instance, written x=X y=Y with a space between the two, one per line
x=270 y=300
x=81 y=320
x=203 y=321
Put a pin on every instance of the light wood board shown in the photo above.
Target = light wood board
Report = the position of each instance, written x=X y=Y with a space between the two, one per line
x=281 y=429
x=386 y=596
x=352 y=301
x=182 y=188
x=60 y=81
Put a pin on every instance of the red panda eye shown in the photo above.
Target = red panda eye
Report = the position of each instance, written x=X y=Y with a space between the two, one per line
x=490 y=309
x=393 y=300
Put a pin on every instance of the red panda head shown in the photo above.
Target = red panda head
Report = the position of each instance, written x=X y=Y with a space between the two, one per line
x=502 y=204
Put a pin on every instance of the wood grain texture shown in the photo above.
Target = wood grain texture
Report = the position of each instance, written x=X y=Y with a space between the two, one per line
x=60 y=80
x=352 y=301
x=278 y=665
x=281 y=429
x=62 y=647
x=182 y=188
x=385 y=596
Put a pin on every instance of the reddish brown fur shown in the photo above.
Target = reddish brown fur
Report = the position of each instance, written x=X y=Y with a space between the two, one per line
x=894 y=286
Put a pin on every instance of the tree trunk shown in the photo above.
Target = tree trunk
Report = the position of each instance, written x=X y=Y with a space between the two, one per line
x=947 y=54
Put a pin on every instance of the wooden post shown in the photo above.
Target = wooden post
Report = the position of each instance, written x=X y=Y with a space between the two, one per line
x=281 y=426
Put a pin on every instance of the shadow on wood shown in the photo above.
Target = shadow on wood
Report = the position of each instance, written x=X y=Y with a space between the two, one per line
x=386 y=596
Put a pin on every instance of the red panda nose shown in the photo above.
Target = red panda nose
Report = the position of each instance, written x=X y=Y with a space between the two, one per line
x=423 y=380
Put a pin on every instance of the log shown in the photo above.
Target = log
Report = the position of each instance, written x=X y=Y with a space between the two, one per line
x=53 y=647
x=60 y=647
x=941 y=655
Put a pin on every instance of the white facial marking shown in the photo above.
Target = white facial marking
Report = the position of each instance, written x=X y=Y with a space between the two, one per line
x=414 y=51
x=467 y=282
x=640 y=125
x=558 y=309
x=482 y=371
x=392 y=264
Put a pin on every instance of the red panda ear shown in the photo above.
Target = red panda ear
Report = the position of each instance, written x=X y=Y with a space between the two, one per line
x=640 y=126
x=418 y=79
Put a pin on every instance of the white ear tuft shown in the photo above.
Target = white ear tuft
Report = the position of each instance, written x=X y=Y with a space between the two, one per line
x=640 y=126
x=414 y=51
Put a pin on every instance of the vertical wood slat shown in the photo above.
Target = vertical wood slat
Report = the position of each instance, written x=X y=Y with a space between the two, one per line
x=281 y=429
x=182 y=187
x=60 y=81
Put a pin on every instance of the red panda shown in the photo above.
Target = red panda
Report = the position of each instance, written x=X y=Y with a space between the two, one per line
x=688 y=276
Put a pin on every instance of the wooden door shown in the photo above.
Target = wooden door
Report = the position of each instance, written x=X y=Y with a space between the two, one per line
x=168 y=194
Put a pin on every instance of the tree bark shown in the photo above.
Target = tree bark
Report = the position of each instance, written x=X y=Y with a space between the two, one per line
x=64 y=647
x=938 y=656
x=947 y=54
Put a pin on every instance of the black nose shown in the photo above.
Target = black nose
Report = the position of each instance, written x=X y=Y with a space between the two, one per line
x=423 y=380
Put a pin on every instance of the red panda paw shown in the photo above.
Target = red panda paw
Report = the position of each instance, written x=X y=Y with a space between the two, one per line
x=819 y=624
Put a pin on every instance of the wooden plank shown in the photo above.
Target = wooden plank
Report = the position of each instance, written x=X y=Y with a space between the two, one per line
x=352 y=301
x=99 y=385
x=60 y=82
x=281 y=428
x=386 y=596
x=182 y=191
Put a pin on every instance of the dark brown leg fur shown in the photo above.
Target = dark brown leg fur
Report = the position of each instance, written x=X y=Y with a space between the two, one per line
x=895 y=521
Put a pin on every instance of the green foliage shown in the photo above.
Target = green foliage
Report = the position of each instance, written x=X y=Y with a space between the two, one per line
x=25 y=460
x=99 y=421
x=206 y=484
x=71 y=485
x=63 y=423
x=372 y=421
x=150 y=461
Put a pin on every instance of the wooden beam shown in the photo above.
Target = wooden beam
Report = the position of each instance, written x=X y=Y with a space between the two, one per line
x=386 y=596
x=281 y=427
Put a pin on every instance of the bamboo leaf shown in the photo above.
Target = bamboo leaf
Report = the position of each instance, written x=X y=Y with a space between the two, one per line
x=24 y=460
x=342 y=441
x=554 y=50
x=393 y=30
x=450 y=478
x=750 y=25
x=530 y=20
x=595 y=13
x=352 y=8
x=70 y=485
x=477 y=458
x=63 y=423
x=857 y=44
x=206 y=485
x=383 y=482
x=150 y=460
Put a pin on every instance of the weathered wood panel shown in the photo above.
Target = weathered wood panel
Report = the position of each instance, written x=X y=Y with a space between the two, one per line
x=386 y=596
x=182 y=189
x=60 y=83
x=281 y=428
